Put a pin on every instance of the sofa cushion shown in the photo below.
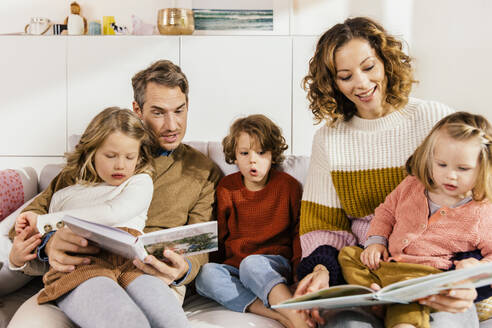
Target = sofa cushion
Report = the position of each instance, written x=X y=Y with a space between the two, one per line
x=205 y=313
x=11 y=192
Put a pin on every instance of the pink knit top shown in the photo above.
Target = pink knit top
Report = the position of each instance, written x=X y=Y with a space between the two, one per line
x=413 y=237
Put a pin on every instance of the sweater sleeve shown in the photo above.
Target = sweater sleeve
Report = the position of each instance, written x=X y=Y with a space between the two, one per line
x=41 y=204
x=295 y=203
x=224 y=210
x=327 y=256
x=203 y=211
x=384 y=216
x=324 y=225
x=133 y=200
x=485 y=229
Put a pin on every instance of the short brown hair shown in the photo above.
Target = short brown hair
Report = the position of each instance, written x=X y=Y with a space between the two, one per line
x=459 y=126
x=80 y=162
x=162 y=72
x=326 y=101
x=268 y=134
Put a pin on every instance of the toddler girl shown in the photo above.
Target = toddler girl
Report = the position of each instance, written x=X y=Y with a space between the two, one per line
x=112 y=165
x=442 y=208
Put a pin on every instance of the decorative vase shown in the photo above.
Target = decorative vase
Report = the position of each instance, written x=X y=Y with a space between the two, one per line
x=175 y=21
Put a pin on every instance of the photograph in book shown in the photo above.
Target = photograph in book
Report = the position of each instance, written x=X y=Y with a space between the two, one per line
x=201 y=238
x=186 y=240
x=402 y=292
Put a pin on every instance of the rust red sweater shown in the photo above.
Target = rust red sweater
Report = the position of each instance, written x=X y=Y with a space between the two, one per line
x=258 y=222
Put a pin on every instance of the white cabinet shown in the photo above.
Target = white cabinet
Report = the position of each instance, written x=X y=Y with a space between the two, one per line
x=100 y=68
x=303 y=128
x=33 y=96
x=234 y=76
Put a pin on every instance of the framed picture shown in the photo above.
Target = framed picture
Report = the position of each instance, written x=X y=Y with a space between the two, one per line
x=242 y=17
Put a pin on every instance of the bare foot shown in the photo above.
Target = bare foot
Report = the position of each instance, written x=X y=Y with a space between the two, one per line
x=403 y=325
x=257 y=307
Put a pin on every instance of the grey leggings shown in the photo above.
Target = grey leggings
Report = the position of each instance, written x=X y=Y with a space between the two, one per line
x=101 y=302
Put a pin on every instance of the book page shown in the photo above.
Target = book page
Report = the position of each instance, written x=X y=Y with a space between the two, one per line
x=330 y=292
x=109 y=238
x=186 y=240
x=412 y=289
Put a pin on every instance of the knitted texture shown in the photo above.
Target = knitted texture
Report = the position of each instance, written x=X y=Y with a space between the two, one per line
x=184 y=190
x=413 y=237
x=125 y=205
x=258 y=222
x=354 y=165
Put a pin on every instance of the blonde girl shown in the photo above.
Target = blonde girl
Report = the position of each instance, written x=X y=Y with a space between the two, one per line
x=107 y=180
x=443 y=207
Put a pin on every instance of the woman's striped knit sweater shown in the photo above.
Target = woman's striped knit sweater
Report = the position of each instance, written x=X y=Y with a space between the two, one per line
x=354 y=165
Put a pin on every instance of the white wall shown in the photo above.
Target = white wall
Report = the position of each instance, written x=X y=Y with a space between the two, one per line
x=51 y=86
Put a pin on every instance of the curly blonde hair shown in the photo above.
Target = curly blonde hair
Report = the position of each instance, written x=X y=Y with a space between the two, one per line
x=80 y=162
x=459 y=126
x=259 y=126
x=326 y=101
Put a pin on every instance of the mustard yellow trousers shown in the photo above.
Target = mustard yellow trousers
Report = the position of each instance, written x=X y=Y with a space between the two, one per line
x=355 y=272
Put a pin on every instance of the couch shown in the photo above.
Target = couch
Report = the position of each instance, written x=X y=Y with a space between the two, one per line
x=202 y=312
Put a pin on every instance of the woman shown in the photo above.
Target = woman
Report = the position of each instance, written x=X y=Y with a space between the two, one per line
x=359 y=81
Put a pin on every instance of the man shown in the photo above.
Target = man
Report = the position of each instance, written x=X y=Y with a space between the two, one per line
x=184 y=186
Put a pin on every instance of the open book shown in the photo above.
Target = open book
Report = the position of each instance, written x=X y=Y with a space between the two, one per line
x=187 y=240
x=401 y=292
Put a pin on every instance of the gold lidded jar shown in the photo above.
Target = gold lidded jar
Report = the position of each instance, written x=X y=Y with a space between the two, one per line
x=175 y=21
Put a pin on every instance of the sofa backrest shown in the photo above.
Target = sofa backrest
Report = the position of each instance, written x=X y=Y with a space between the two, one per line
x=297 y=166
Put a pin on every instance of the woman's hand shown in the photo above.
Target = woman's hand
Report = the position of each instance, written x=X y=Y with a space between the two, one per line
x=466 y=263
x=371 y=256
x=24 y=246
x=452 y=300
x=316 y=280
x=26 y=219
x=175 y=268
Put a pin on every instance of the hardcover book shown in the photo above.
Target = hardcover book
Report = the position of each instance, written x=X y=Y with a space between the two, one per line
x=186 y=240
x=402 y=292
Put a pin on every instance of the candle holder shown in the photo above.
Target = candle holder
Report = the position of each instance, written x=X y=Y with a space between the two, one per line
x=175 y=21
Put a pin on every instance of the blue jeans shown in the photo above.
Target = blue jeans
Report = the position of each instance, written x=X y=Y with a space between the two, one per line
x=236 y=288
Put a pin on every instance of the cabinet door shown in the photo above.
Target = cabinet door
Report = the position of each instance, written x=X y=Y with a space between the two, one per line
x=100 y=69
x=233 y=76
x=303 y=127
x=33 y=96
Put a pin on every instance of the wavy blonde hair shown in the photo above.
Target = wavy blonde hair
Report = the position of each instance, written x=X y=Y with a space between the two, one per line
x=326 y=101
x=459 y=126
x=258 y=126
x=80 y=162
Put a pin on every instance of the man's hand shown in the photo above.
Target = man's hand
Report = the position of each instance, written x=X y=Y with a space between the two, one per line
x=26 y=219
x=64 y=241
x=316 y=280
x=173 y=270
x=371 y=256
x=23 y=247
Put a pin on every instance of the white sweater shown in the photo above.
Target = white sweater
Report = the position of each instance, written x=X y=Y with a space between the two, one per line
x=354 y=165
x=125 y=205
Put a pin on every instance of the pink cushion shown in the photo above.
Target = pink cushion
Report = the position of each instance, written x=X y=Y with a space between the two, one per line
x=11 y=192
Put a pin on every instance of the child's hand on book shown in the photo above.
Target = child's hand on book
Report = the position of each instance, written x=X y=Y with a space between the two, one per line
x=24 y=246
x=372 y=255
x=24 y=220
